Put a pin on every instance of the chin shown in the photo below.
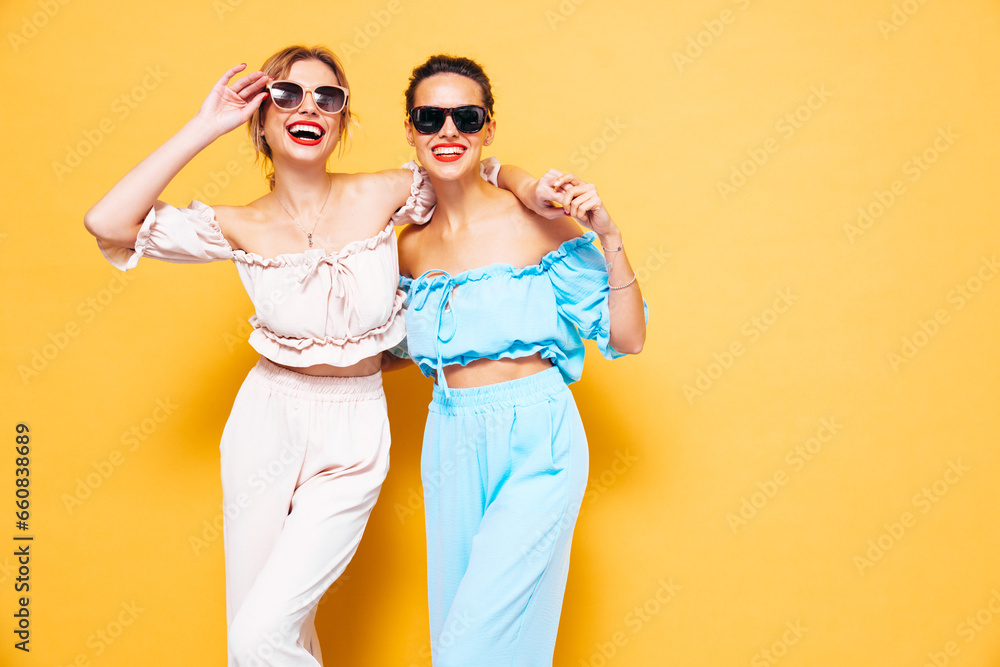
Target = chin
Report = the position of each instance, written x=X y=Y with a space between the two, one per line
x=308 y=153
x=450 y=171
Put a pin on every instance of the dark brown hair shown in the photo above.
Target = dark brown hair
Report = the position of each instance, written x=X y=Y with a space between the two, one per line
x=446 y=64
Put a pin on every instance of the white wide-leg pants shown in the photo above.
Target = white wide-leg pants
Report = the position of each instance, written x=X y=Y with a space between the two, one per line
x=303 y=460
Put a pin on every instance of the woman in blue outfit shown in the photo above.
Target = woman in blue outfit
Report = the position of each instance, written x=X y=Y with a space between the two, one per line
x=500 y=299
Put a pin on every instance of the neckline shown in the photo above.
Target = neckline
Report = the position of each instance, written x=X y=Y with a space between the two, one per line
x=498 y=268
x=298 y=258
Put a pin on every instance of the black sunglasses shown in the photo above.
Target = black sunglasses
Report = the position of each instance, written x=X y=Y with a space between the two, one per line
x=468 y=119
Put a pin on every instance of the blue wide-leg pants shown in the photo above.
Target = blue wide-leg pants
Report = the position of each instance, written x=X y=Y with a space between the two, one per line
x=504 y=469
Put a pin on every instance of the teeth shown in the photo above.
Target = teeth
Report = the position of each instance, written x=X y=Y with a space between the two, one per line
x=449 y=150
x=302 y=127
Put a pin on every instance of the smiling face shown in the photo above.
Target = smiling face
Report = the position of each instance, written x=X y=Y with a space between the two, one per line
x=449 y=154
x=305 y=134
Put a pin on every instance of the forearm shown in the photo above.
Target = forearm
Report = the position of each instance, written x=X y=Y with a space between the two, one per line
x=628 y=320
x=391 y=362
x=118 y=215
x=519 y=182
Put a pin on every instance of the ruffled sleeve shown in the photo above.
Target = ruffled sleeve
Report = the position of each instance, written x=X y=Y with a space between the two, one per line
x=401 y=349
x=404 y=286
x=489 y=169
x=419 y=206
x=181 y=235
x=579 y=278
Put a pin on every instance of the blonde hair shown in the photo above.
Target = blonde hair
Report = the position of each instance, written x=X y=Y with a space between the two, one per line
x=278 y=66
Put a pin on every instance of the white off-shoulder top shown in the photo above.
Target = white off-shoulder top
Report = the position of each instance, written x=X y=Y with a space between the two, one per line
x=311 y=307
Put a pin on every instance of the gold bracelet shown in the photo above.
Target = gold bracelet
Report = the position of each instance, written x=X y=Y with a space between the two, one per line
x=610 y=286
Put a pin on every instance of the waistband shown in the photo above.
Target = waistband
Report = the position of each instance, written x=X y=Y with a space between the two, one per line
x=528 y=390
x=285 y=381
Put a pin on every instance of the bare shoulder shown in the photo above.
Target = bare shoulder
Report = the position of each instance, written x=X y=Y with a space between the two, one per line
x=558 y=231
x=409 y=243
x=234 y=215
x=390 y=185
x=546 y=234
x=237 y=221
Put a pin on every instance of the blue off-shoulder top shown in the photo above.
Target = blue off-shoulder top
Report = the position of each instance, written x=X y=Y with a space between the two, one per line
x=502 y=312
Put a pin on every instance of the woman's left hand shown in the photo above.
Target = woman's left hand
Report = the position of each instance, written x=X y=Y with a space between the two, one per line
x=581 y=201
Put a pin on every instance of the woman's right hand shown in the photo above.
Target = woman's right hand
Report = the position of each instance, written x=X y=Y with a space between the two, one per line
x=116 y=218
x=229 y=106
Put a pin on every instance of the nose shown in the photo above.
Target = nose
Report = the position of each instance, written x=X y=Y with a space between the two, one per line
x=449 y=129
x=308 y=104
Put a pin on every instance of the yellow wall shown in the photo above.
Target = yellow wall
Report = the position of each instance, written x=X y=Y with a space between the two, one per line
x=802 y=461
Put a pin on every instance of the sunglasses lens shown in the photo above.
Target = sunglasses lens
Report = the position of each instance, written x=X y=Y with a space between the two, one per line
x=286 y=95
x=427 y=120
x=330 y=99
x=469 y=119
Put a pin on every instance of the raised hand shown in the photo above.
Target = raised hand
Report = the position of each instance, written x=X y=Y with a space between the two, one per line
x=581 y=201
x=229 y=106
x=545 y=198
